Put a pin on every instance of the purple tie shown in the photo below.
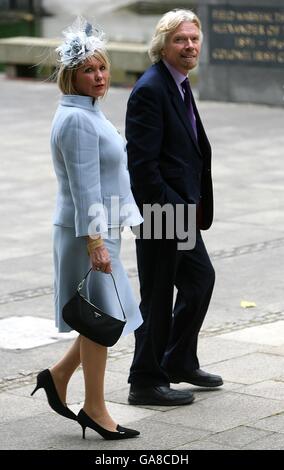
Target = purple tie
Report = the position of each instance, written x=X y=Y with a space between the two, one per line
x=188 y=103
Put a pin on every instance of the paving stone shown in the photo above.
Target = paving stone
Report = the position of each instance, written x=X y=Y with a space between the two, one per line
x=240 y=436
x=13 y=408
x=271 y=389
x=120 y=365
x=250 y=368
x=18 y=332
x=265 y=217
x=50 y=431
x=237 y=279
x=35 y=270
x=271 y=334
x=218 y=414
x=271 y=423
x=42 y=309
x=41 y=432
x=277 y=350
x=272 y=442
x=237 y=233
x=205 y=445
x=212 y=350
x=36 y=358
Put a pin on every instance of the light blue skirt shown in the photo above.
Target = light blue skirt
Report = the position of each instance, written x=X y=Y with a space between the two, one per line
x=71 y=263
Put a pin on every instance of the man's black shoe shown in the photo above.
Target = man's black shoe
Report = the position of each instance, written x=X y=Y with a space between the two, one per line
x=197 y=377
x=159 y=395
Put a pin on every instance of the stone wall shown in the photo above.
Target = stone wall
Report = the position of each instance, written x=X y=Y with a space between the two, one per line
x=243 y=51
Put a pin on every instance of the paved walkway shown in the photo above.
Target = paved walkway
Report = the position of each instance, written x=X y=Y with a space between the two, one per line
x=246 y=243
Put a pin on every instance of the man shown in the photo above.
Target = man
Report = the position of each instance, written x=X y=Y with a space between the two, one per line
x=170 y=163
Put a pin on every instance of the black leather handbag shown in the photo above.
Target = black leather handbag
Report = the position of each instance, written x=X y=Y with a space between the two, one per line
x=90 y=321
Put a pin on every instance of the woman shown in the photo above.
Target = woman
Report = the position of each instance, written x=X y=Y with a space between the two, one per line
x=90 y=164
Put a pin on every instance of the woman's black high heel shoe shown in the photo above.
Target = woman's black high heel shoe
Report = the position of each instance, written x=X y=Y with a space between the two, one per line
x=45 y=381
x=122 y=433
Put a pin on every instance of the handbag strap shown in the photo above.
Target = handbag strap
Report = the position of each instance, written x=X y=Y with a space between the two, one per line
x=80 y=287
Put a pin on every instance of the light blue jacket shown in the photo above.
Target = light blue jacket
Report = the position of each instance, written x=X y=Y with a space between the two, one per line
x=90 y=163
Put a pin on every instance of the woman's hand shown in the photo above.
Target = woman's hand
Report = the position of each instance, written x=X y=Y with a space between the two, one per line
x=100 y=260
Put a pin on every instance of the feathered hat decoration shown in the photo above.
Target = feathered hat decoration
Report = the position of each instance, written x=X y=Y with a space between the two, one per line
x=81 y=41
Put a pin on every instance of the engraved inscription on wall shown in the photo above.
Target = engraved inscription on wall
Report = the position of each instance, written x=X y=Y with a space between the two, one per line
x=246 y=35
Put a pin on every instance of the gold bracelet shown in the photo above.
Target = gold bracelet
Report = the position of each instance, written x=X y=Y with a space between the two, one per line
x=94 y=237
x=92 y=245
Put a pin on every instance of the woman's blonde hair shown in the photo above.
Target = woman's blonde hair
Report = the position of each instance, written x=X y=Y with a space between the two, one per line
x=169 y=22
x=66 y=75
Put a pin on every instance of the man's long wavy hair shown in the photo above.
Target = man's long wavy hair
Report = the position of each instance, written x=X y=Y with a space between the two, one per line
x=169 y=22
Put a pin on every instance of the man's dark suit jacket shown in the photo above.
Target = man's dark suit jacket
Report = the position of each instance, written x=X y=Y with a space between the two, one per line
x=165 y=161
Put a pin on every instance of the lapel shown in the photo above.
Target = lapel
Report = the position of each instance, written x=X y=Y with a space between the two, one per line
x=179 y=104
